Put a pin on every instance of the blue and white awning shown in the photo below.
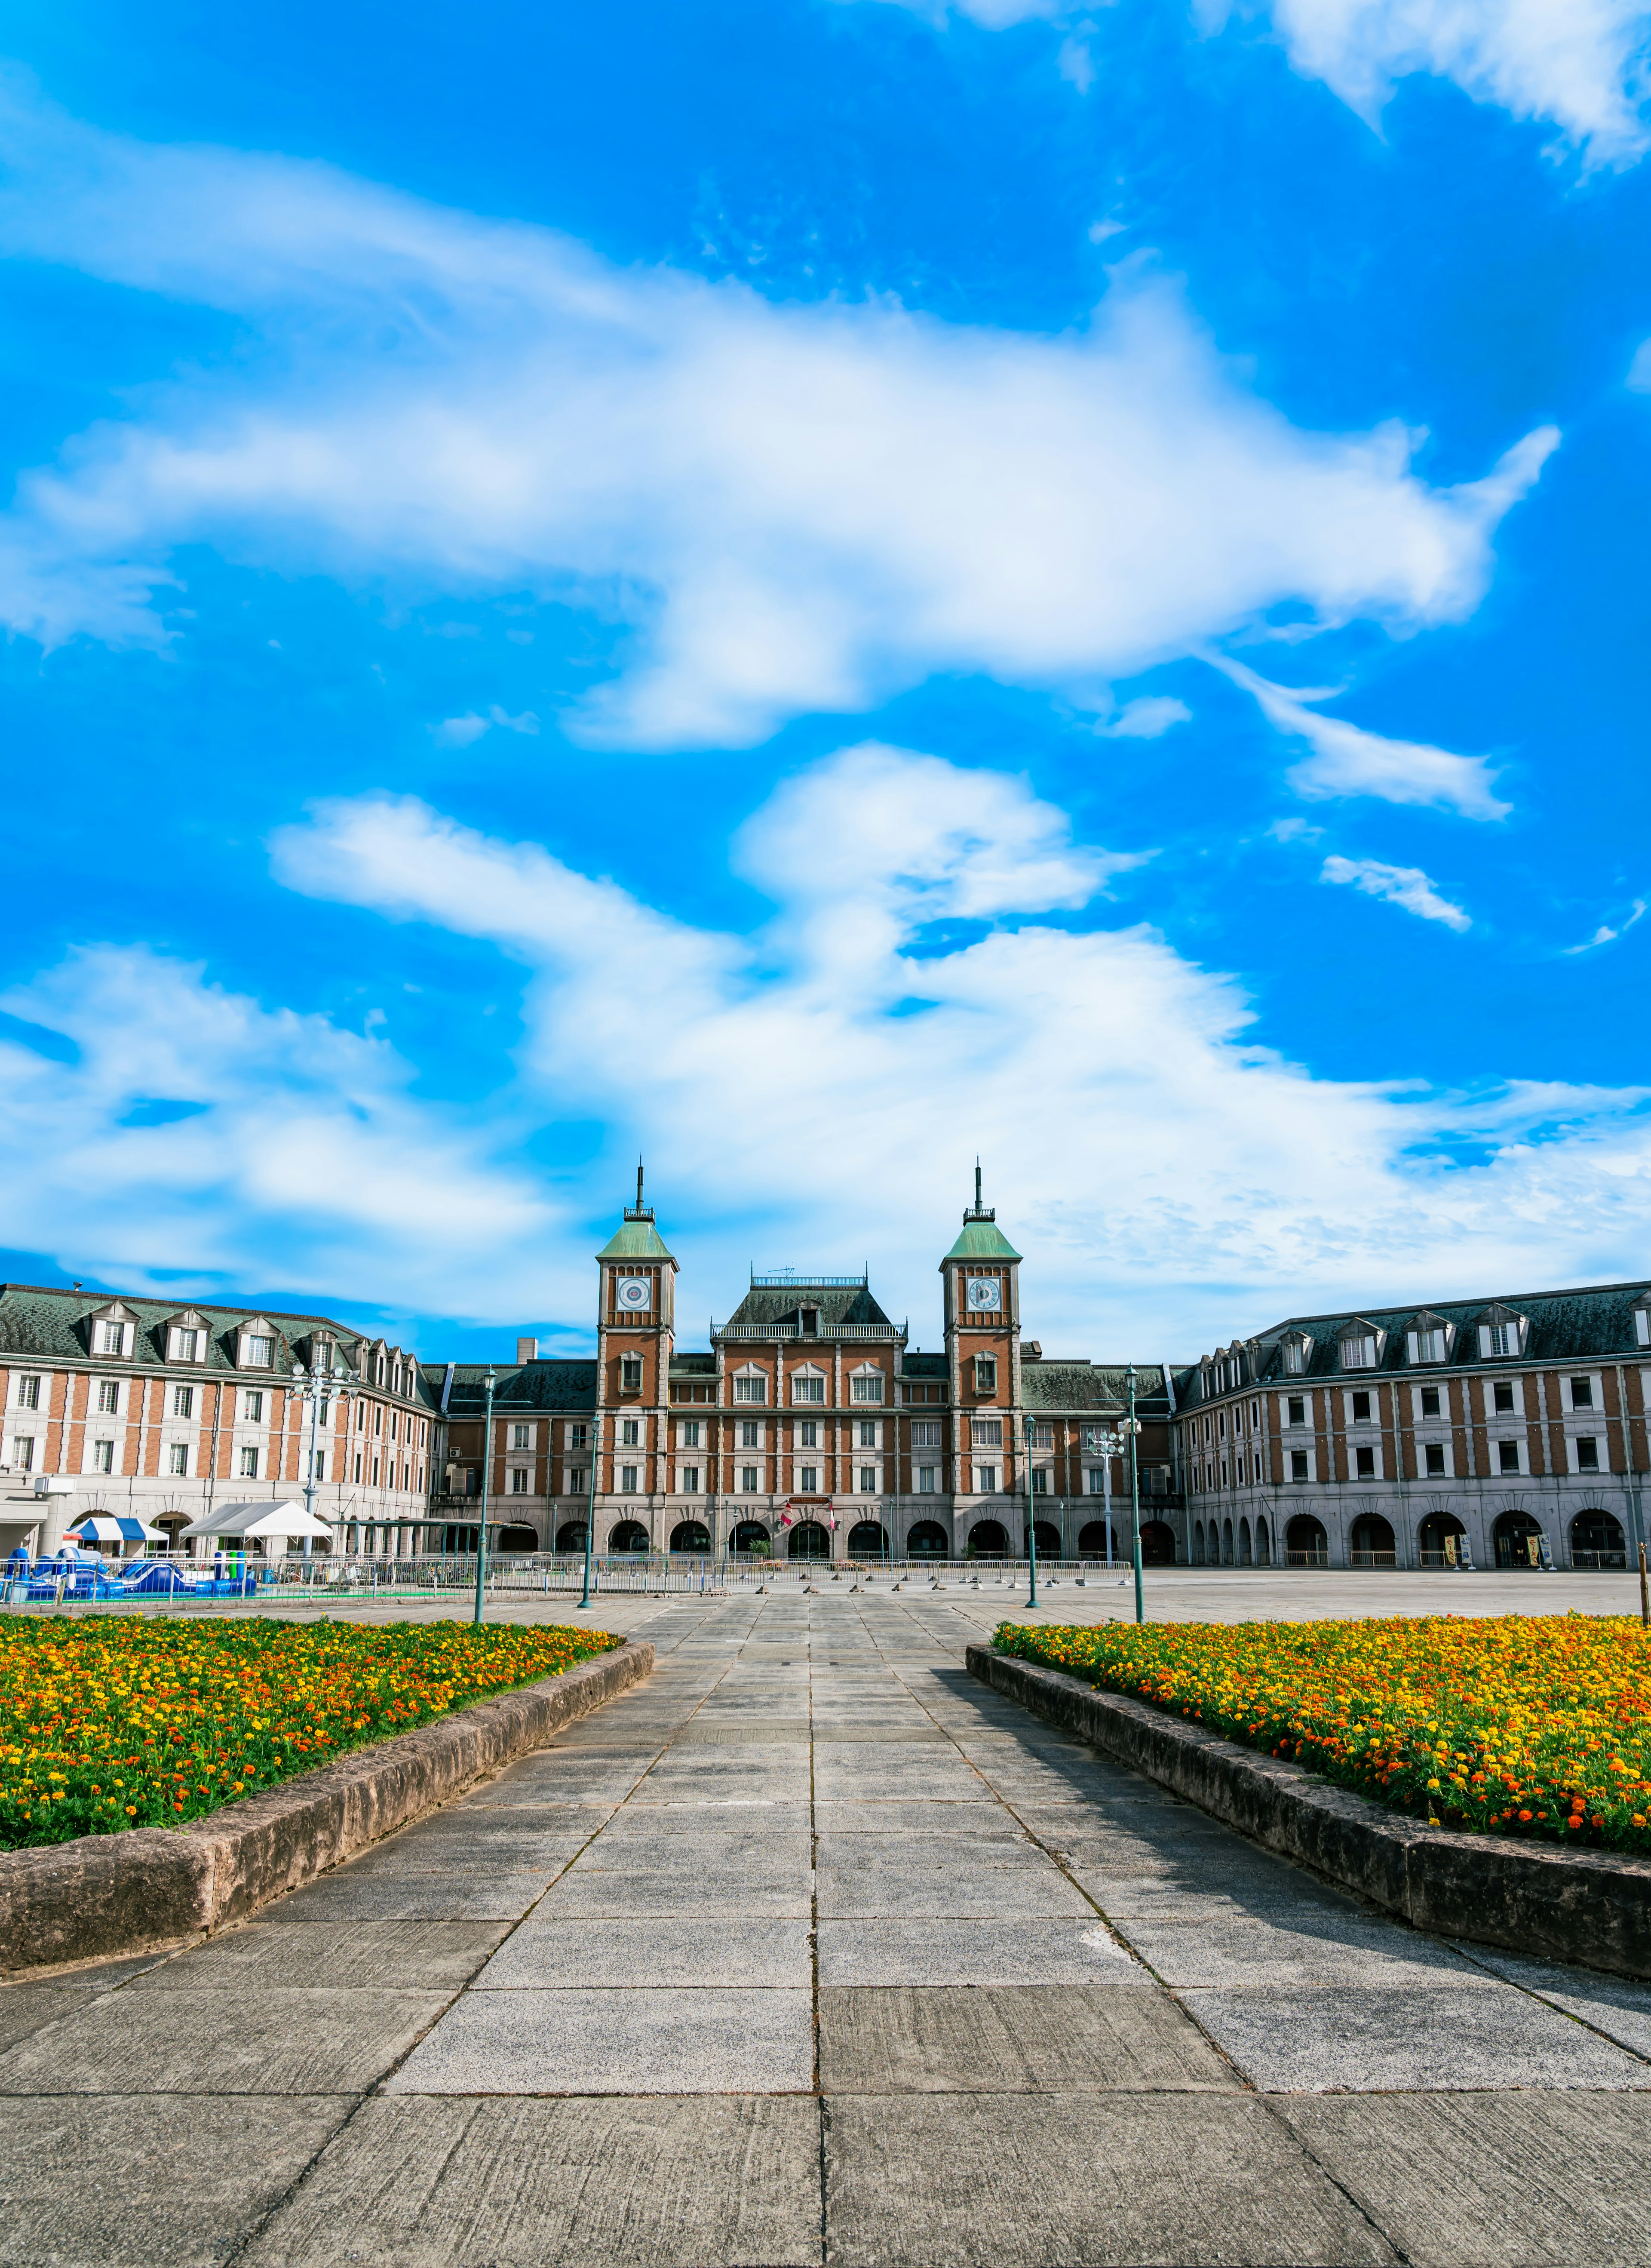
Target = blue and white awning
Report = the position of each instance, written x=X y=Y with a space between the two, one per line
x=115 y=1528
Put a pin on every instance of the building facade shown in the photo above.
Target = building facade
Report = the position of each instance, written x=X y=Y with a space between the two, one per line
x=1505 y=1433
x=810 y=1427
x=130 y=1406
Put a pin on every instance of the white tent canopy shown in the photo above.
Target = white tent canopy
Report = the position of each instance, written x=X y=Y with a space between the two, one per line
x=117 y=1527
x=263 y=1518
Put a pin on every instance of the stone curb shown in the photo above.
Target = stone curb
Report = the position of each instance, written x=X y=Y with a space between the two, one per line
x=1583 y=1906
x=112 y=1894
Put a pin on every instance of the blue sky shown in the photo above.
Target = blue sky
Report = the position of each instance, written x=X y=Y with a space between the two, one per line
x=814 y=588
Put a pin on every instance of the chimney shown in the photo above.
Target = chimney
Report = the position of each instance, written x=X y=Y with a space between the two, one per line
x=526 y=1349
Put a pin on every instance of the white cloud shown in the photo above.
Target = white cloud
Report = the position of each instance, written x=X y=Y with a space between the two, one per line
x=1580 y=64
x=800 y=507
x=1404 y=885
x=826 y=1088
x=1347 y=760
x=459 y=732
x=1149 y=718
x=305 y=1163
x=1605 y=934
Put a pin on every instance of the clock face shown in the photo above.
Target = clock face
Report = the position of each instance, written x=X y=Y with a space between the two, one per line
x=986 y=1294
x=633 y=1291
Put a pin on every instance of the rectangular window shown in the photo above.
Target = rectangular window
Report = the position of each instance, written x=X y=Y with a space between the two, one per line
x=805 y=1388
x=1040 y=1480
x=927 y=1477
x=317 y=1465
x=748 y=1479
x=183 y=1402
x=521 y=1439
x=690 y=1433
x=1042 y=1434
x=23 y=1452
x=750 y=1434
x=809 y=1483
x=28 y=1393
x=1435 y=1460
x=1430 y=1346
x=1366 y=1464
x=1581 y=1394
x=578 y=1437
x=629 y=1433
x=631 y=1374
x=868 y=1480
x=1298 y=1465
x=108 y=1397
x=752 y=1388
x=111 y=1337
x=177 y=1456
x=985 y=1373
x=1297 y=1410
x=1361 y=1409
x=1295 y=1355
x=808 y=1434
x=1358 y=1354
x=1430 y=1402
x=690 y=1480
x=518 y=1480
x=987 y=1480
x=249 y=1464
x=1096 y=1480
x=579 y=1480
x=986 y=1432
x=925 y=1434
x=186 y=1346
x=103 y=1456
x=252 y=1406
x=261 y=1352
x=1508 y=1456
x=357 y=1468
x=867 y=1386
x=1587 y=1454
x=1504 y=1338
x=375 y=1472
x=868 y=1432
x=1503 y=1392
x=628 y=1480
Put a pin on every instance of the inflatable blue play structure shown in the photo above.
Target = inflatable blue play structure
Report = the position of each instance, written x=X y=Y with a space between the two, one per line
x=72 y=1573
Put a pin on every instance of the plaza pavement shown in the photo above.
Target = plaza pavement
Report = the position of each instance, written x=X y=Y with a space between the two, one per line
x=812 y=1950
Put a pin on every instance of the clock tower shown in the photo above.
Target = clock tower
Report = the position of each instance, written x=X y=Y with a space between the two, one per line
x=981 y=1282
x=635 y=1317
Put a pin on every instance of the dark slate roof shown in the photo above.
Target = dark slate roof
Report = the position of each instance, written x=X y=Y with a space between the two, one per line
x=550 y=1383
x=923 y=1365
x=45 y=1323
x=1589 y=1324
x=765 y=1305
x=1091 y=1385
x=693 y=1365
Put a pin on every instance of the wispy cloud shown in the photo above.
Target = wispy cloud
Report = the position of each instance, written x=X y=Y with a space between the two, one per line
x=459 y=732
x=799 y=507
x=1403 y=886
x=1348 y=761
x=1605 y=934
x=1149 y=718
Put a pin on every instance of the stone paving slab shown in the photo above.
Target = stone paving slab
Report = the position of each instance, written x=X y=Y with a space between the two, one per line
x=1294 y=1945
x=430 y=1955
x=960 y=1891
x=429 y=2183
x=26 y=2008
x=1490 y=2180
x=914 y=1817
x=94 y=2182
x=648 y=2040
x=549 y=1950
x=1086 y=2181
x=1615 y=2006
x=1014 y=2039
x=975 y=1952
x=203 y=2040
x=353 y=1897
x=1375 y=2038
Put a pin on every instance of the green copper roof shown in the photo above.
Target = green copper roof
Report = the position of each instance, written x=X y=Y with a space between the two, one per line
x=636 y=1240
x=981 y=1239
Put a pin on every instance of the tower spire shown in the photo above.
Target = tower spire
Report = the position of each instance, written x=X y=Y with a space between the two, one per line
x=977 y=1184
x=641 y=1209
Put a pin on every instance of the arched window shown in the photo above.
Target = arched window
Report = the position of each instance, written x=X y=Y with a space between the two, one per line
x=1048 y=1539
x=1516 y=1540
x=1197 y=1544
x=928 y=1540
x=571 y=1535
x=1093 y=1541
x=1158 y=1544
x=986 y=1540
x=1305 y=1543
x=519 y=1539
x=1443 y=1540
x=690 y=1536
x=629 y=1536
x=749 y=1535
x=1371 y=1543
x=868 y=1539
x=1597 y=1541
x=1263 y=1545
x=1227 y=1543
x=808 y=1540
x=1244 y=1557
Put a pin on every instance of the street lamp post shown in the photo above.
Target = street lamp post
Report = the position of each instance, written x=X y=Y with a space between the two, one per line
x=315 y=1387
x=488 y=1382
x=1133 y=1428
x=1109 y=1445
x=590 y=1509
x=1031 y=1513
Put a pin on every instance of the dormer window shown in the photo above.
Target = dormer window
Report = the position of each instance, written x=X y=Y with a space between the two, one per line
x=1361 y=1345
x=186 y=1337
x=1428 y=1339
x=1502 y=1333
x=1297 y=1350
x=112 y=1331
x=1642 y=1321
x=808 y=1322
x=255 y=1346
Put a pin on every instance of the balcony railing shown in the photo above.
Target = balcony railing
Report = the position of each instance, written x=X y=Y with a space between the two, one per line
x=770 y=1333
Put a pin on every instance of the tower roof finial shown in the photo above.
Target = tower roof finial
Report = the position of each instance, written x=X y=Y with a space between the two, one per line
x=977 y=1183
x=641 y=1209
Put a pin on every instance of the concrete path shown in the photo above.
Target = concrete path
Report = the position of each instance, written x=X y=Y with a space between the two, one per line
x=811 y=1950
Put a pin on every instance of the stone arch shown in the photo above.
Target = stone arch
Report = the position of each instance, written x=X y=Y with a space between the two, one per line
x=571 y=1535
x=749 y=1535
x=927 y=1540
x=520 y=1538
x=987 y=1540
x=1245 y=1555
x=1049 y=1545
x=1441 y=1538
x=1263 y=1544
x=1227 y=1543
x=1158 y=1544
x=628 y=1535
x=868 y=1539
x=1597 y=1540
x=1515 y=1540
x=1371 y=1542
x=807 y=1539
x=1092 y=1540
x=690 y=1536
x=1305 y=1543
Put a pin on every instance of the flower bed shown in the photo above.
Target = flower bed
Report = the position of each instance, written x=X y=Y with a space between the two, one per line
x=110 y=1722
x=1523 y=1725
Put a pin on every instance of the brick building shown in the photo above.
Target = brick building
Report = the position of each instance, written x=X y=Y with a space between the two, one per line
x=158 y=1412
x=810 y=1427
x=1505 y=1433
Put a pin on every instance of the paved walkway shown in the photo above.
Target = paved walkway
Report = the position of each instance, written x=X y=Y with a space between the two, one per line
x=811 y=1950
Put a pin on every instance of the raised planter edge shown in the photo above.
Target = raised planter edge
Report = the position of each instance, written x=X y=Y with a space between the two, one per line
x=106 y=1894
x=1585 y=1907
